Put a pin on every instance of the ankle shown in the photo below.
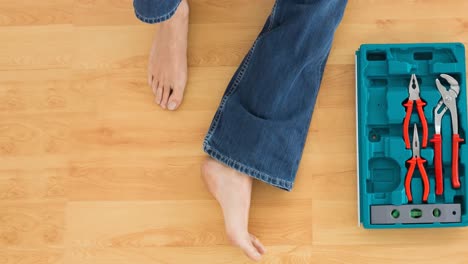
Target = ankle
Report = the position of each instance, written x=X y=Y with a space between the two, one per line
x=183 y=9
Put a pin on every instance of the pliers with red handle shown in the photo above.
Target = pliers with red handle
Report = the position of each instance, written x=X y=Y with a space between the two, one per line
x=413 y=90
x=449 y=99
x=416 y=159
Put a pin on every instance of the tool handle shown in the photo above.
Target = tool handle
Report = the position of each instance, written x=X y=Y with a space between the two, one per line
x=409 y=109
x=437 y=140
x=424 y=177
x=409 y=176
x=455 y=145
x=419 y=105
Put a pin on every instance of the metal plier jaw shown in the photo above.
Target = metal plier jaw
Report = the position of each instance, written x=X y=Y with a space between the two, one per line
x=448 y=102
x=413 y=88
x=413 y=91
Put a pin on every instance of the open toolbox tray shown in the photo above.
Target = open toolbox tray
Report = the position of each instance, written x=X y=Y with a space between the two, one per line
x=383 y=73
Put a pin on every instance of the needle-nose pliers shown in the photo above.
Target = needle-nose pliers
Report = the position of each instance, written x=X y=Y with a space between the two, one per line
x=416 y=159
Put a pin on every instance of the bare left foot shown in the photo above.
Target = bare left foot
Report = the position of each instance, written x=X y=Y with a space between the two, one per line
x=167 y=68
x=233 y=190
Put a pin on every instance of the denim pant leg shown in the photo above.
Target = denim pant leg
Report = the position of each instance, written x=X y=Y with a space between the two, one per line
x=262 y=122
x=155 y=11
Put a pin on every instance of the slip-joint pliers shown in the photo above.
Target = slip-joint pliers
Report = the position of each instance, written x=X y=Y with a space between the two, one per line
x=449 y=99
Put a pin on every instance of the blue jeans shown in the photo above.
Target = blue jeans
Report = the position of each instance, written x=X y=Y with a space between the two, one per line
x=155 y=11
x=262 y=121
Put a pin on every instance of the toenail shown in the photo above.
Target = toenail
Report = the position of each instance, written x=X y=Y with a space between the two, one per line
x=172 y=106
x=257 y=255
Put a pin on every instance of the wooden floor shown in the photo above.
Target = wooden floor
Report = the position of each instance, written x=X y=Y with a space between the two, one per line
x=92 y=172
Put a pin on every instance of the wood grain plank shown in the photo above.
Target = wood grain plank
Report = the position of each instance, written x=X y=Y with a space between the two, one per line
x=44 y=47
x=223 y=255
x=33 y=185
x=337 y=90
x=121 y=12
x=126 y=90
x=405 y=9
x=35 y=134
x=386 y=254
x=42 y=256
x=209 y=45
x=104 y=12
x=29 y=13
x=121 y=179
x=32 y=225
x=61 y=93
x=180 y=223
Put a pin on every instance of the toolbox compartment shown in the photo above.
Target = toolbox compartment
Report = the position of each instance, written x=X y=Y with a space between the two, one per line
x=383 y=73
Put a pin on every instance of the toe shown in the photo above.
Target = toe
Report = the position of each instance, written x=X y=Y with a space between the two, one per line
x=165 y=96
x=258 y=245
x=176 y=98
x=150 y=79
x=244 y=242
x=154 y=85
x=251 y=251
x=159 y=93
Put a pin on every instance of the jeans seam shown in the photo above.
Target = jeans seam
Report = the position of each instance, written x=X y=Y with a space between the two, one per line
x=318 y=84
x=243 y=168
x=273 y=15
x=159 y=19
x=238 y=78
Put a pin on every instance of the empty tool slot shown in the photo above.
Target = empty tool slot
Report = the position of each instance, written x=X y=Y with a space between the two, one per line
x=379 y=196
x=445 y=56
x=374 y=137
x=376 y=56
x=378 y=82
x=423 y=55
x=395 y=130
x=375 y=134
x=384 y=175
x=459 y=199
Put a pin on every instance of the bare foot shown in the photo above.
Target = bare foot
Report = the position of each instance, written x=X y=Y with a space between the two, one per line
x=232 y=189
x=167 y=68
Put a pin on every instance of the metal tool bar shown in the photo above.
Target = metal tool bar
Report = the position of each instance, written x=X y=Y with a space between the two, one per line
x=415 y=214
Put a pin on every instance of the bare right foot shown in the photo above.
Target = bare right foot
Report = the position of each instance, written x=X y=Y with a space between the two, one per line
x=167 y=68
x=233 y=190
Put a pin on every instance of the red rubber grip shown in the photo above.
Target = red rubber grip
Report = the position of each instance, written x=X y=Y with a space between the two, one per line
x=409 y=176
x=439 y=184
x=424 y=178
x=422 y=117
x=409 y=109
x=455 y=145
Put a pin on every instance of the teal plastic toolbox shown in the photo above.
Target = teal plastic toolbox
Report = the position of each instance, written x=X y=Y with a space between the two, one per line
x=383 y=80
